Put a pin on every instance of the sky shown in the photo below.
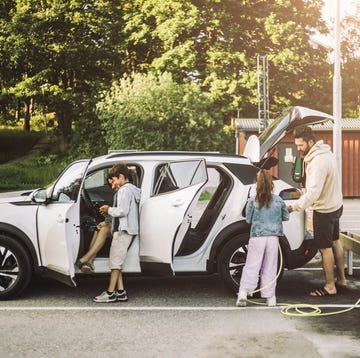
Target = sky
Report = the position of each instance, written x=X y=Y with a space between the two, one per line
x=346 y=7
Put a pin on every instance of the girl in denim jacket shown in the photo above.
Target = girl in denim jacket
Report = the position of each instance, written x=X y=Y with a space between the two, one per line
x=265 y=212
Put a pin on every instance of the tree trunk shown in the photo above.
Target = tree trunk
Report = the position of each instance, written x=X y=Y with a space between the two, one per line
x=64 y=118
x=27 y=114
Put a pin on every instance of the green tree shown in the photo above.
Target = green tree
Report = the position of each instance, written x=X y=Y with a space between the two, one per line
x=71 y=46
x=217 y=44
x=78 y=47
x=148 y=112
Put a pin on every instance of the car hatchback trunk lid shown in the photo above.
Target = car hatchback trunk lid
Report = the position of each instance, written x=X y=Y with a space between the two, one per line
x=291 y=118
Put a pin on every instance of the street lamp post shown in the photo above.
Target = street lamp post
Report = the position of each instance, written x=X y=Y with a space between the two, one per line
x=337 y=102
x=237 y=132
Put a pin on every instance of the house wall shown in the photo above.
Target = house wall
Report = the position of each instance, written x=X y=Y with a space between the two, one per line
x=350 y=159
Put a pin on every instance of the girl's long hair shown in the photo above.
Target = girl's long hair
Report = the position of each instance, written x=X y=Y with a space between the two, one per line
x=264 y=188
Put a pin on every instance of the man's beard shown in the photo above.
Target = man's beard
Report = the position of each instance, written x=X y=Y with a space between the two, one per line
x=307 y=150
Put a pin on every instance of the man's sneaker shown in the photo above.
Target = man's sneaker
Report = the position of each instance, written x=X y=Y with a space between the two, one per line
x=241 y=300
x=271 y=301
x=121 y=296
x=106 y=298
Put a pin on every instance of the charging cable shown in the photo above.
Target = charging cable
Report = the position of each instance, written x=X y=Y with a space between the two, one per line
x=298 y=309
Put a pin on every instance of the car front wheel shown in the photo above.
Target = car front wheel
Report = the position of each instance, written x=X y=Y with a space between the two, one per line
x=15 y=268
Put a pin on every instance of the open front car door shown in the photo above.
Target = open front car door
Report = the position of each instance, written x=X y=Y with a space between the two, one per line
x=58 y=222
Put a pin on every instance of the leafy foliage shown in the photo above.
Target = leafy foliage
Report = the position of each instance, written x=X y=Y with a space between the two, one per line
x=148 y=112
x=59 y=56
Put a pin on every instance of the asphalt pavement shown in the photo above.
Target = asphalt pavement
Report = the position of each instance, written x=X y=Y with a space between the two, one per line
x=186 y=316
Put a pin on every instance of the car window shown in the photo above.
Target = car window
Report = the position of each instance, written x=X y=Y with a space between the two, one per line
x=68 y=185
x=97 y=187
x=245 y=173
x=99 y=190
x=178 y=175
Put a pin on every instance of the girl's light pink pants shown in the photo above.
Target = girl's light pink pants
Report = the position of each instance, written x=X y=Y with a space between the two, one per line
x=261 y=261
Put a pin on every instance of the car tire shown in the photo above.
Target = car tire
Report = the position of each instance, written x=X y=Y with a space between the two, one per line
x=231 y=261
x=15 y=268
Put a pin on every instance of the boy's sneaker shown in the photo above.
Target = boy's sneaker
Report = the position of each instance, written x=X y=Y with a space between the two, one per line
x=241 y=300
x=121 y=296
x=106 y=298
x=271 y=301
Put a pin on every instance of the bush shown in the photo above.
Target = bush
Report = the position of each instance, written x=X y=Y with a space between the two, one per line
x=148 y=112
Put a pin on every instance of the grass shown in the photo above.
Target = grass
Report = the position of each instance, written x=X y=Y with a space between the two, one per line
x=15 y=143
x=28 y=174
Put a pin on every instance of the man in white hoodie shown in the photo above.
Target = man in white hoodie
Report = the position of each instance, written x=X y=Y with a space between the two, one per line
x=323 y=195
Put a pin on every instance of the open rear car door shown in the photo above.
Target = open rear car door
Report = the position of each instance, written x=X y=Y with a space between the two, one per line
x=166 y=216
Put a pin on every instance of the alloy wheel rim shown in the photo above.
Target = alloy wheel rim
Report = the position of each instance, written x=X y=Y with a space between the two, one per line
x=9 y=268
x=237 y=263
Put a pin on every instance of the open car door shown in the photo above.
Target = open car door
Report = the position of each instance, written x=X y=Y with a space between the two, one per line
x=58 y=223
x=166 y=216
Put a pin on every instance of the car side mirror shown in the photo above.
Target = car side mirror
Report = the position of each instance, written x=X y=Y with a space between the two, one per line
x=39 y=196
x=297 y=171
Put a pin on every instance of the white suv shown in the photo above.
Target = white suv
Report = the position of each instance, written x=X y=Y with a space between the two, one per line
x=191 y=214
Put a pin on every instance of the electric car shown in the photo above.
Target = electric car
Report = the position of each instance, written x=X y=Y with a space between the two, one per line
x=191 y=214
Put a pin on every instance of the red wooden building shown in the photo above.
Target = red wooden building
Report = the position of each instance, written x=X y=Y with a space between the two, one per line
x=286 y=149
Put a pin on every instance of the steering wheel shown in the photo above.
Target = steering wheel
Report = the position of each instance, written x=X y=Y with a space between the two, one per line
x=94 y=211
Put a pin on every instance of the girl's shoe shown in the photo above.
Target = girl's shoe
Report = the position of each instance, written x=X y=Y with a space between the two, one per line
x=241 y=300
x=271 y=301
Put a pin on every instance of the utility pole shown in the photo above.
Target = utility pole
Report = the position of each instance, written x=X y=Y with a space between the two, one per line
x=237 y=131
x=263 y=91
x=337 y=102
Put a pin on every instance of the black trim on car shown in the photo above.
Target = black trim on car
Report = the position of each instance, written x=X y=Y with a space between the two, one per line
x=22 y=203
x=156 y=269
x=298 y=257
x=67 y=280
x=196 y=236
x=246 y=173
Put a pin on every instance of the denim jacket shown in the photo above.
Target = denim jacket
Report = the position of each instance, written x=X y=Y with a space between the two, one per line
x=268 y=220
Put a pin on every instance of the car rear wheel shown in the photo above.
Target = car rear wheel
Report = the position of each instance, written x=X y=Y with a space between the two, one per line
x=15 y=268
x=231 y=261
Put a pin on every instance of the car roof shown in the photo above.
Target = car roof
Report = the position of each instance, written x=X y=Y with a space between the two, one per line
x=113 y=156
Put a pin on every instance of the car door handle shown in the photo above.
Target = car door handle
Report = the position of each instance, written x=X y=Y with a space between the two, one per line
x=178 y=202
x=60 y=219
